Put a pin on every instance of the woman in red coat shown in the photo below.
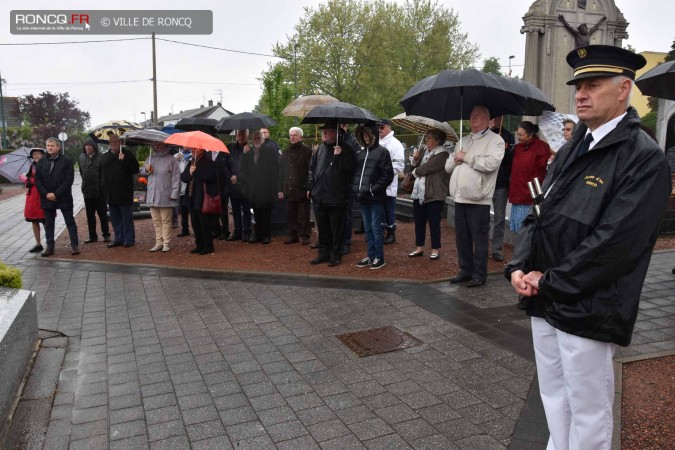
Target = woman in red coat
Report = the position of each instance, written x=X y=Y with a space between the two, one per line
x=529 y=162
x=33 y=211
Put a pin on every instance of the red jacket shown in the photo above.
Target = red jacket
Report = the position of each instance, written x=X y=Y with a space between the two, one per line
x=32 y=210
x=529 y=162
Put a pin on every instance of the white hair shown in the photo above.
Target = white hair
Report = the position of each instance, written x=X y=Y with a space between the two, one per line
x=620 y=79
x=297 y=130
x=483 y=109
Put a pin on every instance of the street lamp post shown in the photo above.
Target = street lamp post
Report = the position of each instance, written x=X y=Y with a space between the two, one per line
x=144 y=120
x=510 y=58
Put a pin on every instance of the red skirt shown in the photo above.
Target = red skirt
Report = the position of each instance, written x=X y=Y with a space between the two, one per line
x=33 y=210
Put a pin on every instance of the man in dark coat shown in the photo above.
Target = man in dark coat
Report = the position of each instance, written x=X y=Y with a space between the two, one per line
x=293 y=173
x=501 y=196
x=118 y=169
x=54 y=178
x=222 y=222
x=580 y=265
x=94 y=202
x=374 y=172
x=331 y=172
x=259 y=176
x=241 y=210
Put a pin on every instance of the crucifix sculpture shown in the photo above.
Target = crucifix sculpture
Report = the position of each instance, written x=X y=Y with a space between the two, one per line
x=582 y=36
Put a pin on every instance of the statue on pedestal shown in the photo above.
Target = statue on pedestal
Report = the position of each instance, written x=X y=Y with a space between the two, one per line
x=582 y=36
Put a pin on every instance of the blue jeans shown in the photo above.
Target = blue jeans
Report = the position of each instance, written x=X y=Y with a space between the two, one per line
x=372 y=224
x=122 y=219
x=390 y=213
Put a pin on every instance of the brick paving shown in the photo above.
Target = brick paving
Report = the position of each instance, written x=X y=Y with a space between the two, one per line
x=164 y=358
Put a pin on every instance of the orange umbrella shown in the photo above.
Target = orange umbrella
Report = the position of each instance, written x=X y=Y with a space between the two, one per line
x=197 y=139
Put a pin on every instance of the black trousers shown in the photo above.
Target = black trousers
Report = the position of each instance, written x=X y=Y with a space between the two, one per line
x=184 y=216
x=330 y=222
x=297 y=219
x=95 y=206
x=202 y=228
x=223 y=220
x=263 y=222
x=472 y=236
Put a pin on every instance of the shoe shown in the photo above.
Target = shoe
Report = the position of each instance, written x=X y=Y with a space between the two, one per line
x=291 y=240
x=365 y=262
x=224 y=236
x=90 y=240
x=114 y=244
x=475 y=282
x=345 y=250
x=304 y=241
x=183 y=234
x=196 y=250
x=390 y=236
x=205 y=251
x=434 y=256
x=36 y=249
x=377 y=264
x=156 y=248
x=174 y=225
x=359 y=230
x=129 y=244
x=319 y=260
x=459 y=278
x=165 y=248
x=497 y=256
x=415 y=254
x=254 y=240
x=334 y=262
x=74 y=250
x=233 y=237
x=106 y=238
x=246 y=237
x=314 y=245
x=48 y=252
x=266 y=240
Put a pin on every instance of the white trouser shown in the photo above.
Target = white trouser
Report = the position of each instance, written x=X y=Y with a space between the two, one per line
x=576 y=383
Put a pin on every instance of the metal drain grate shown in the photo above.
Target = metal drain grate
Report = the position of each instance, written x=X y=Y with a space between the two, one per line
x=378 y=340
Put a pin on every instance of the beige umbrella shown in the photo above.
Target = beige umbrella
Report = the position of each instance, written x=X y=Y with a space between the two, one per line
x=302 y=105
x=421 y=124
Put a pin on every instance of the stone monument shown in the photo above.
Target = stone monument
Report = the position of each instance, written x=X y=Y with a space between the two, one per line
x=555 y=27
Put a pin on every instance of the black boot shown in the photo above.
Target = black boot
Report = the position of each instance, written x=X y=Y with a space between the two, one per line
x=390 y=235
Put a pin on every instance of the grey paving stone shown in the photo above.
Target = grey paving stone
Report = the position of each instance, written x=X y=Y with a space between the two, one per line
x=89 y=414
x=174 y=443
x=159 y=401
x=90 y=429
x=216 y=443
x=370 y=429
x=285 y=431
x=166 y=430
x=414 y=429
x=58 y=428
x=90 y=401
x=245 y=431
x=132 y=443
x=389 y=442
x=355 y=414
x=127 y=429
x=301 y=443
x=341 y=401
x=343 y=442
x=255 y=443
x=331 y=429
x=458 y=429
x=434 y=442
x=479 y=413
x=276 y=415
x=99 y=442
x=397 y=413
x=164 y=414
x=126 y=415
x=480 y=443
x=205 y=430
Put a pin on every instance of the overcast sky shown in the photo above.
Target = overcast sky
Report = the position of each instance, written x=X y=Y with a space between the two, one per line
x=110 y=80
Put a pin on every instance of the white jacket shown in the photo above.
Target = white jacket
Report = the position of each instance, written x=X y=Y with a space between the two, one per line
x=474 y=180
x=397 y=154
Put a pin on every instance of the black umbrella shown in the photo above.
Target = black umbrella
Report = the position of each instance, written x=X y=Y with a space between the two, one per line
x=197 y=124
x=659 y=82
x=452 y=94
x=245 y=121
x=340 y=112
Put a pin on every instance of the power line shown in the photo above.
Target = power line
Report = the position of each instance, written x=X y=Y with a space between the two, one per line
x=221 y=49
x=74 y=42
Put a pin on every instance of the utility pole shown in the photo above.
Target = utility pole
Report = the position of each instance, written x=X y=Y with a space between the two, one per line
x=154 y=79
x=2 y=109
x=295 y=68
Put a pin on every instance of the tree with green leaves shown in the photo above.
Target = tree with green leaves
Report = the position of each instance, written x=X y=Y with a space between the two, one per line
x=371 y=53
x=491 y=65
x=277 y=93
x=50 y=113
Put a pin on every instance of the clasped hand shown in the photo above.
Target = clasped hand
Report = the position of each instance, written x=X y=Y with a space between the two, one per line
x=526 y=284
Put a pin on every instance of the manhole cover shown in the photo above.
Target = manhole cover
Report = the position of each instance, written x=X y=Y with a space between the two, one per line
x=378 y=340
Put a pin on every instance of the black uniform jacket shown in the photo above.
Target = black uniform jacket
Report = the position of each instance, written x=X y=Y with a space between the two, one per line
x=594 y=239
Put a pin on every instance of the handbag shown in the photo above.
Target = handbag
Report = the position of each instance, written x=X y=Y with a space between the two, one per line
x=408 y=183
x=212 y=204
